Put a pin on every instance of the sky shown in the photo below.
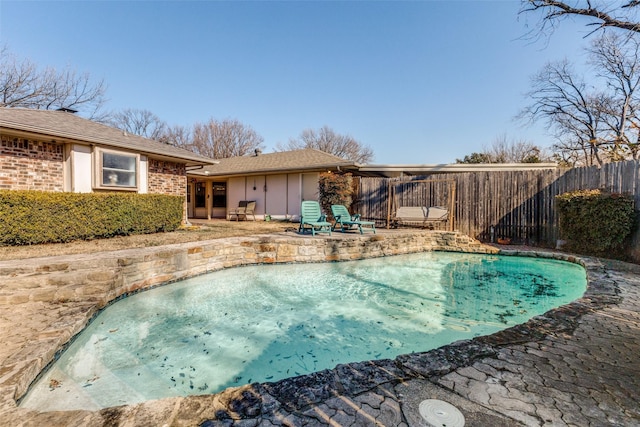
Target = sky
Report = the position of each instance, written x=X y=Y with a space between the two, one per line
x=419 y=82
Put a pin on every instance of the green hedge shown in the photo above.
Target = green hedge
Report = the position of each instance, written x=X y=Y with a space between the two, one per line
x=594 y=222
x=34 y=217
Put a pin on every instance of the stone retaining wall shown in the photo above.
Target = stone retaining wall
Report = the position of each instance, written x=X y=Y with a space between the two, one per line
x=103 y=277
x=67 y=291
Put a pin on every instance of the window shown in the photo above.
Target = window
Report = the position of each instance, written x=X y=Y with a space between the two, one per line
x=219 y=194
x=117 y=170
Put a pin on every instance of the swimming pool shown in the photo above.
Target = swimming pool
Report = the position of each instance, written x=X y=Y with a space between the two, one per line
x=268 y=322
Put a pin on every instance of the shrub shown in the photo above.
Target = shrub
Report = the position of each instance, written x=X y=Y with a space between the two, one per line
x=34 y=217
x=335 y=189
x=594 y=222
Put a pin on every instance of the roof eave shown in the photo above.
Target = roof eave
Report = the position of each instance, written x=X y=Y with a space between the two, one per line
x=273 y=171
x=35 y=132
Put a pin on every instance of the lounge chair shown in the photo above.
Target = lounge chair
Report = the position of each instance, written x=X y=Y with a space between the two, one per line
x=342 y=216
x=312 y=216
x=244 y=209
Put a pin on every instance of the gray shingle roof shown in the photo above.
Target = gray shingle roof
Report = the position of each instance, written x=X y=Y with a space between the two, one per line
x=307 y=159
x=68 y=126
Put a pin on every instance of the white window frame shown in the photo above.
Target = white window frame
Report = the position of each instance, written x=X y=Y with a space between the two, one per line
x=98 y=175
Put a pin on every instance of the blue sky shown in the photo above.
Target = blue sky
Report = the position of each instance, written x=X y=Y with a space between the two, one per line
x=420 y=82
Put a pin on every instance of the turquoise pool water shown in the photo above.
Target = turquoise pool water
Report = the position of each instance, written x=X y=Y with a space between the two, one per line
x=269 y=322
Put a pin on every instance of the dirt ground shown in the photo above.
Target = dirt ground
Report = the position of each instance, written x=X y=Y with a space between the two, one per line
x=200 y=230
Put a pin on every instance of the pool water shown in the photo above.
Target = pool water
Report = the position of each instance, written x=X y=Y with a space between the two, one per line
x=269 y=322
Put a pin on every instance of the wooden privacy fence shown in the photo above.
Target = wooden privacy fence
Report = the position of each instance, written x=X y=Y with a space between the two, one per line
x=518 y=205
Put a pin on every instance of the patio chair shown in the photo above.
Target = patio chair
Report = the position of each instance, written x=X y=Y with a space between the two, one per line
x=244 y=209
x=311 y=215
x=342 y=216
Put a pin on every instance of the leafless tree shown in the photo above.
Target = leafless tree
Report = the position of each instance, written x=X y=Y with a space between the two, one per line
x=506 y=150
x=617 y=63
x=327 y=140
x=598 y=122
x=226 y=138
x=23 y=84
x=180 y=136
x=570 y=109
x=139 y=122
x=603 y=14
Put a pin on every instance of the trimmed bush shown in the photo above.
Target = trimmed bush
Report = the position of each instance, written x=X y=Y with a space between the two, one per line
x=594 y=222
x=335 y=189
x=35 y=217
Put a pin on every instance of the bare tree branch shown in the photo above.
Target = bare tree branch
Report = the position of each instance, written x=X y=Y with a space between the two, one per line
x=327 y=140
x=139 y=122
x=604 y=14
x=23 y=84
x=222 y=139
x=617 y=62
x=562 y=100
x=180 y=136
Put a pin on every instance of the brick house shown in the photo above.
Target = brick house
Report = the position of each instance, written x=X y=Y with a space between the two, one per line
x=50 y=150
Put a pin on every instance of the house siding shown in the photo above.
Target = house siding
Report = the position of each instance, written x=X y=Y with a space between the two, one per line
x=31 y=165
x=167 y=178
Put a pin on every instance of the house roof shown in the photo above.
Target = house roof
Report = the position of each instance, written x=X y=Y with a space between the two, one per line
x=69 y=127
x=307 y=159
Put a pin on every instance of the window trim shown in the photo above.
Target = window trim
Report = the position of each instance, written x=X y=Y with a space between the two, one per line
x=99 y=168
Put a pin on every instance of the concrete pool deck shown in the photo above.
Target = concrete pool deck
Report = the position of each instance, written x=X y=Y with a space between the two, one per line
x=576 y=365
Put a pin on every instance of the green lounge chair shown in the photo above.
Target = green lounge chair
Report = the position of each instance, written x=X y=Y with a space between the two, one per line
x=311 y=215
x=346 y=220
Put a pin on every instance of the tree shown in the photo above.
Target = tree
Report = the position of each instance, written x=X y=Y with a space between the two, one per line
x=139 y=122
x=222 y=139
x=475 y=158
x=598 y=122
x=617 y=62
x=571 y=111
x=604 y=13
x=327 y=140
x=23 y=84
x=504 y=150
x=180 y=136
x=215 y=139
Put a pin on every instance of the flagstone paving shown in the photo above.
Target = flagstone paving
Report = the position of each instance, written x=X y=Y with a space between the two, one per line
x=578 y=365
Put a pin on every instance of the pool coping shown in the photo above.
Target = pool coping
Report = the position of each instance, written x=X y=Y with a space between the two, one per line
x=291 y=398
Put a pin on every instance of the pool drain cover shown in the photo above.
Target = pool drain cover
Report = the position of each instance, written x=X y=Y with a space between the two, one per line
x=439 y=413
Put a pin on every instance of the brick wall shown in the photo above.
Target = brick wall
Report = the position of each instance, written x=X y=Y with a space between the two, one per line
x=167 y=178
x=31 y=165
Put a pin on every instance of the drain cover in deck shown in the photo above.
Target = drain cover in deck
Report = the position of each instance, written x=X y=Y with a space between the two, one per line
x=439 y=413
